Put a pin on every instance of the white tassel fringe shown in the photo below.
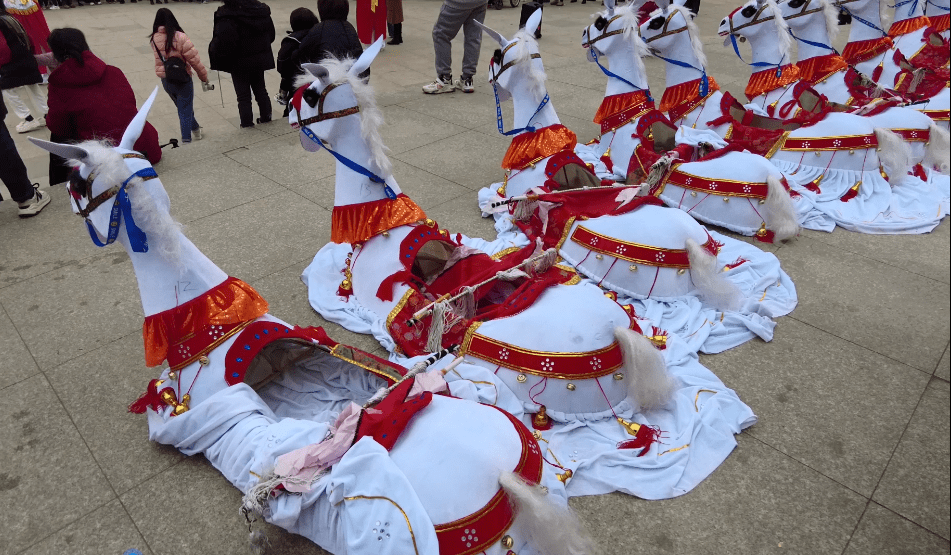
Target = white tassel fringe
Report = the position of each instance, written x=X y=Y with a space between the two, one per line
x=779 y=212
x=938 y=151
x=894 y=154
x=714 y=288
x=649 y=384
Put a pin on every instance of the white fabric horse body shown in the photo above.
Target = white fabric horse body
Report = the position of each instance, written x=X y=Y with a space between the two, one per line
x=373 y=495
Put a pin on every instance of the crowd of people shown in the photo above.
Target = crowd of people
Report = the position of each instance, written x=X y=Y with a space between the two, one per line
x=87 y=98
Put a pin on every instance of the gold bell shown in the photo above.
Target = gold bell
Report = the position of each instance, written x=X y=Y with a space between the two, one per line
x=632 y=267
x=564 y=476
x=168 y=397
x=172 y=375
x=608 y=152
x=386 y=233
x=726 y=199
x=203 y=360
x=507 y=542
x=571 y=387
x=521 y=378
x=598 y=256
x=681 y=271
x=346 y=285
x=761 y=232
x=541 y=421
x=430 y=222
x=693 y=193
x=179 y=409
x=630 y=427
x=619 y=376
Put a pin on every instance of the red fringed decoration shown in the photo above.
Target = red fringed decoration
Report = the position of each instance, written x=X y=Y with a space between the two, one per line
x=150 y=399
x=877 y=72
x=646 y=436
x=851 y=193
x=814 y=185
x=919 y=172
x=736 y=263
x=658 y=337
x=765 y=236
x=607 y=162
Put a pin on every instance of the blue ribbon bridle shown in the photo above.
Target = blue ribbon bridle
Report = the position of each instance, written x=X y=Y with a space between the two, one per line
x=498 y=105
x=778 y=66
x=122 y=209
x=704 y=82
x=609 y=73
x=811 y=43
x=929 y=2
x=867 y=23
x=349 y=163
x=914 y=4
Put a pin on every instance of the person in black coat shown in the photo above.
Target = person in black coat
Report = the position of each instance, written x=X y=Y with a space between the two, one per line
x=241 y=45
x=333 y=36
x=288 y=62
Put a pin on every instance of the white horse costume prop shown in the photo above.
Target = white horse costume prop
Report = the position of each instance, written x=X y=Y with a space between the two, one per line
x=844 y=180
x=278 y=410
x=564 y=354
x=737 y=190
x=657 y=258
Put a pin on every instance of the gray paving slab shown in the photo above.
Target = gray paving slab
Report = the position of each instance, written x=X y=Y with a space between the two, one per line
x=17 y=363
x=882 y=532
x=856 y=298
x=108 y=529
x=735 y=513
x=205 y=519
x=944 y=366
x=100 y=386
x=916 y=482
x=848 y=436
x=283 y=160
x=48 y=478
x=83 y=305
x=461 y=159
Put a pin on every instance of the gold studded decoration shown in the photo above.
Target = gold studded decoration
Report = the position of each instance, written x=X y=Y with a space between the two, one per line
x=521 y=378
x=619 y=376
x=681 y=271
x=507 y=542
x=203 y=360
x=571 y=387
x=632 y=267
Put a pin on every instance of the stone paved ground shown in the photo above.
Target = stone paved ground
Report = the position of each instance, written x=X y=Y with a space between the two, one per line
x=850 y=455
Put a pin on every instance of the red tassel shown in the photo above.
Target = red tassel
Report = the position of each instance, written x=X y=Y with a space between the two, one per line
x=851 y=193
x=150 y=399
x=736 y=263
x=607 y=162
x=877 y=72
x=919 y=172
x=766 y=237
x=646 y=436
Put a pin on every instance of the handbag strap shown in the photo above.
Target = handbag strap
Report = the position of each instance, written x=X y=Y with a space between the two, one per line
x=157 y=51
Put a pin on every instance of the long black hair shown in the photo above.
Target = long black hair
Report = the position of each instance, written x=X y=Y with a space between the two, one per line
x=165 y=18
x=68 y=43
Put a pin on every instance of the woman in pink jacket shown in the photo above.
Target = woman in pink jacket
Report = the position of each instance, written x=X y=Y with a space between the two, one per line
x=169 y=41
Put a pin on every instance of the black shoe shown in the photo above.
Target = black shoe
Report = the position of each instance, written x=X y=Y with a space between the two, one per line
x=246 y=125
x=264 y=120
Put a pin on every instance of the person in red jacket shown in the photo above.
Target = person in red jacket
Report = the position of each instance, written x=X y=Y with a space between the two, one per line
x=89 y=99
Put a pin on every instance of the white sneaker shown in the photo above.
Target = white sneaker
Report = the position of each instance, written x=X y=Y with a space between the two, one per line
x=27 y=126
x=442 y=84
x=465 y=84
x=196 y=134
x=36 y=204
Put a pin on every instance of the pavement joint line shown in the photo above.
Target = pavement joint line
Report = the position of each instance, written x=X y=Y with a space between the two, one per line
x=410 y=164
x=885 y=262
x=63 y=527
x=925 y=372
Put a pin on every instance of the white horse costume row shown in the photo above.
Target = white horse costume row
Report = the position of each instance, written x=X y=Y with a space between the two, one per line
x=278 y=410
x=845 y=178
x=561 y=355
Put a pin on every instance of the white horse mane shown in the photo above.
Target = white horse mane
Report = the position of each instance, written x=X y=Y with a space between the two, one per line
x=695 y=44
x=884 y=14
x=522 y=52
x=630 y=24
x=371 y=118
x=163 y=232
x=782 y=28
x=831 y=14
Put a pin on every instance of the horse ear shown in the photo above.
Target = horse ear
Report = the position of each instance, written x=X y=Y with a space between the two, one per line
x=65 y=151
x=134 y=130
x=609 y=4
x=494 y=34
x=318 y=71
x=365 y=59
x=534 y=22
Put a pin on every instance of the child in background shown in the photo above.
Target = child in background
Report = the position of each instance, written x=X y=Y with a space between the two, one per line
x=288 y=63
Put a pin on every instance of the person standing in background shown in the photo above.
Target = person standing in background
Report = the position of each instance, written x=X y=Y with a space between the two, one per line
x=30 y=200
x=394 y=20
x=333 y=36
x=288 y=60
x=241 y=45
x=371 y=20
x=169 y=40
x=19 y=74
x=455 y=15
x=30 y=15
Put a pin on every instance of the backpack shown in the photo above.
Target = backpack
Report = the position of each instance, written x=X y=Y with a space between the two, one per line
x=176 y=70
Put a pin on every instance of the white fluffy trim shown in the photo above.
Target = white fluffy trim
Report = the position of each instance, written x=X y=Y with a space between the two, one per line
x=938 y=151
x=549 y=528
x=778 y=211
x=649 y=385
x=894 y=154
x=713 y=287
x=831 y=14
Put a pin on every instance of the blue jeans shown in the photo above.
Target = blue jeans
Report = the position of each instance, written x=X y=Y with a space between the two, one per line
x=183 y=96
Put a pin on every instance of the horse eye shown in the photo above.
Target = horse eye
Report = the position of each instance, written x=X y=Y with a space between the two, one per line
x=497 y=56
x=748 y=11
x=796 y=3
x=656 y=23
x=600 y=23
x=311 y=97
x=77 y=184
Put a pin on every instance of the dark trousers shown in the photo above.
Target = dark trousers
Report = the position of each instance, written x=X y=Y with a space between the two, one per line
x=183 y=95
x=12 y=170
x=244 y=85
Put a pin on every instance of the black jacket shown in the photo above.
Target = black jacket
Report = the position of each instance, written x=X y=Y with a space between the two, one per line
x=242 y=39
x=331 y=37
x=288 y=62
x=21 y=69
